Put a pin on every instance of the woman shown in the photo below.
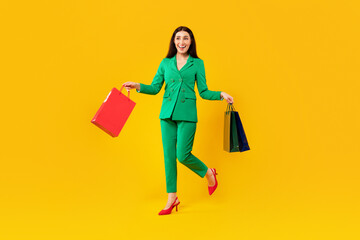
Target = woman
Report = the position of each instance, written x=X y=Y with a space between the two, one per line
x=178 y=116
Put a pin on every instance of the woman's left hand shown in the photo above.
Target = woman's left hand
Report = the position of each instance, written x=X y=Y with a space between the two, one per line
x=227 y=97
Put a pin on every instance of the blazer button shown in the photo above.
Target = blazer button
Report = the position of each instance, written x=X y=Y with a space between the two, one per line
x=173 y=80
x=182 y=100
x=183 y=90
x=169 y=99
x=180 y=80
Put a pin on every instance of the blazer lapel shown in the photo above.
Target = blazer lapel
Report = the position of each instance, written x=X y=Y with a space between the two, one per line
x=188 y=64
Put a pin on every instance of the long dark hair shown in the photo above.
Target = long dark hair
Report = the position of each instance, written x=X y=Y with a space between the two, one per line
x=172 y=48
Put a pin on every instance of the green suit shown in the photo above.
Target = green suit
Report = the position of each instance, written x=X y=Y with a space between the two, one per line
x=179 y=114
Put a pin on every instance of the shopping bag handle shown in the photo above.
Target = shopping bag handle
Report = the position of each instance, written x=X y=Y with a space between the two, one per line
x=230 y=107
x=127 y=91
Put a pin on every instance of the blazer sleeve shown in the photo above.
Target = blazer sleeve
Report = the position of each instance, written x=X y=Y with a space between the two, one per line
x=204 y=92
x=157 y=83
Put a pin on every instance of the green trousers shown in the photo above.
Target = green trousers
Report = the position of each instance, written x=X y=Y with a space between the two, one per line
x=177 y=139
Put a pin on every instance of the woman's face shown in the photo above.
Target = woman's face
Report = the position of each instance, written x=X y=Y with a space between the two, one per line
x=182 y=41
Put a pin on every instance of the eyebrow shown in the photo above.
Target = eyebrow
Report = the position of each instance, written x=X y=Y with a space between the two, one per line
x=180 y=36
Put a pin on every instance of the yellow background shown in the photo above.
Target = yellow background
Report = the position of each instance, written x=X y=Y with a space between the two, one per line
x=291 y=66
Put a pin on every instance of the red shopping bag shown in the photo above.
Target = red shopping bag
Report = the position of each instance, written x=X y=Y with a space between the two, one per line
x=114 y=112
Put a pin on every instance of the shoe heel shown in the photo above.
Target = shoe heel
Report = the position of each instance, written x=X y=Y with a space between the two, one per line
x=176 y=207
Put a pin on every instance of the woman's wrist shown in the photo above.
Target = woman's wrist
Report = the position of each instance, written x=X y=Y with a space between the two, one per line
x=137 y=86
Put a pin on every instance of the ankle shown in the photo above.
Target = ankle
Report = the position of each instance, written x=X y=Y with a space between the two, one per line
x=209 y=173
x=172 y=196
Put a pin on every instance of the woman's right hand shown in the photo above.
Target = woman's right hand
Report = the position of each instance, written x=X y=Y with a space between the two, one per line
x=131 y=85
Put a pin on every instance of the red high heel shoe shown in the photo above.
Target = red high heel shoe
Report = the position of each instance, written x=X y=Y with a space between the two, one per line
x=213 y=188
x=168 y=211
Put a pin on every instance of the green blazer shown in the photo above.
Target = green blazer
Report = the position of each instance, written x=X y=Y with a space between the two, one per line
x=179 y=98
